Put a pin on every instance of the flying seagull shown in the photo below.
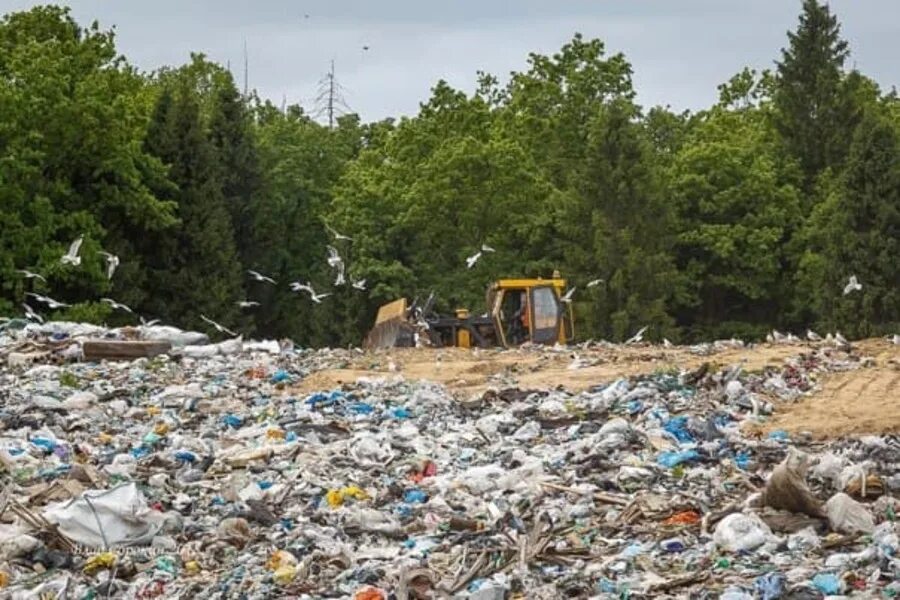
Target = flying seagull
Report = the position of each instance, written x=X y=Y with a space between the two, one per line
x=568 y=295
x=116 y=305
x=358 y=284
x=365 y=48
x=470 y=261
x=853 y=285
x=31 y=315
x=593 y=283
x=145 y=323
x=486 y=248
x=638 y=337
x=71 y=257
x=336 y=262
x=29 y=275
x=260 y=277
x=337 y=236
x=296 y=286
x=813 y=336
x=53 y=304
x=112 y=263
x=307 y=287
x=219 y=328
x=247 y=303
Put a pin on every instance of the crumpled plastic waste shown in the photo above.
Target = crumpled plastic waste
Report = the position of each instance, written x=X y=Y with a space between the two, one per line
x=246 y=470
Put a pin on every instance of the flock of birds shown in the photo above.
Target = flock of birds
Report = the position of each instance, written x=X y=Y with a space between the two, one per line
x=72 y=258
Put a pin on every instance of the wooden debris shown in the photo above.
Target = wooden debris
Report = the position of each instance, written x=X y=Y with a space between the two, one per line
x=122 y=350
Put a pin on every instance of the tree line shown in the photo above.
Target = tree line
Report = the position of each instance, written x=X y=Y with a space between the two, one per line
x=728 y=221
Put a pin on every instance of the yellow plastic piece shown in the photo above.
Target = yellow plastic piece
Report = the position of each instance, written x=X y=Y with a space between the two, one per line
x=285 y=575
x=104 y=560
x=161 y=428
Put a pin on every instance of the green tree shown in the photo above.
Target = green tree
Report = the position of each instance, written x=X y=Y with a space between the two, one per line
x=856 y=231
x=814 y=112
x=615 y=225
x=738 y=204
x=195 y=269
x=71 y=162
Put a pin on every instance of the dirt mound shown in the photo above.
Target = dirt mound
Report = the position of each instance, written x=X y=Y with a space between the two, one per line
x=865 y=400
x=860 y=402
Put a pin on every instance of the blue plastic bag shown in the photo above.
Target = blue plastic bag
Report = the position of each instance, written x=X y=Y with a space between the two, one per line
x=415 y=497
x=827 y=583
x=673 y=459
x=677 y=426
x=770 y=586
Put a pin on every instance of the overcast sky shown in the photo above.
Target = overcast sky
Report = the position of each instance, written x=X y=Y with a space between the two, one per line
x=680 y=49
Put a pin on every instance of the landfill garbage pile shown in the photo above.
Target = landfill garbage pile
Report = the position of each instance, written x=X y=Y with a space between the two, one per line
x=202 y=473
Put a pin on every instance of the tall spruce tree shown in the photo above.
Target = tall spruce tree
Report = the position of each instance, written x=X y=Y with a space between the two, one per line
x=814 y=112
x=195 y=268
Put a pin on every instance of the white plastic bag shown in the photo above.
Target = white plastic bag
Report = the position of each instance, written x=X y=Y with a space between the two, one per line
x=739 y=532
x=107 y=518
x=848 y=516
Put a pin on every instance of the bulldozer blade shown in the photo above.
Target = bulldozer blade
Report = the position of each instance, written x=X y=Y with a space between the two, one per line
x=391 y=327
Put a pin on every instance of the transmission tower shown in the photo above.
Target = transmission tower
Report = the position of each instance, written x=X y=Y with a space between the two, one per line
x=329 y=102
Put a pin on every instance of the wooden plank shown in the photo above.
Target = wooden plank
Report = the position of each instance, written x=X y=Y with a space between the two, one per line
x=122 y=350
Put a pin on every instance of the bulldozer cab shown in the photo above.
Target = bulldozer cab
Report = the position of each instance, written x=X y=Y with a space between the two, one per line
x=530 y=310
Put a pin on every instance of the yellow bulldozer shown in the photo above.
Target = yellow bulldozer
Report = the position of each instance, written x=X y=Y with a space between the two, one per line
x=518 y=311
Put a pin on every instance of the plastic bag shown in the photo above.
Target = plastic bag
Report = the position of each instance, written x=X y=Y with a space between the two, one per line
x=107 y=518
x=848 y=516
x=739 y=532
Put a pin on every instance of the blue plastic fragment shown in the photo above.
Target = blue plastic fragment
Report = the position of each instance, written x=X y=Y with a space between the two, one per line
x=415 y=496
x=232 y=421
x=361 y=408
x=44 y=443
x=673 y=459
x=264 y=485
x=280 y=376
x=827 y=583
x=401 y=413
x=742 y=460
x=770 y=586
x=780 y=435
x=677 y=426
x=184 y=456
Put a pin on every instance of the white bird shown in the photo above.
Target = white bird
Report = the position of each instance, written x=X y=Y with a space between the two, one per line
x=48 y=301
x=359 y=284
x=31 y=315
x=895 y=340
x=116 y=305
x=777 y=336
x=638 y=337
x=829 y=338
x=219 y=328
x=260 y=277
x=470 y=261
x=853 y=285
x=567 y=297
x=151 y=323
x=337 y=236
x=336 y=262
x=71 y=257
x=112 y=263
x=813 y=336
x=486 y=248
x=594 y=282
x=840 y=340
x=247 y=303
x=296 y=286
x=307 y=287
x=29 y=275
x=666 y=343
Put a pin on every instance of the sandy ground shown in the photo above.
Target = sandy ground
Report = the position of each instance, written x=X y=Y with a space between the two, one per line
x=862 y=401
